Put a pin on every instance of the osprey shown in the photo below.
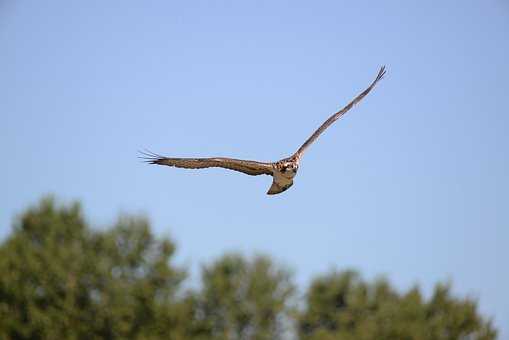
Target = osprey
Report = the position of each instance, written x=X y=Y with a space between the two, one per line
x=282 y=171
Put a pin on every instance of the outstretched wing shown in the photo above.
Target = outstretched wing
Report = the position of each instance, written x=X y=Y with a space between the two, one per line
x=252 y=168
x=338 y=114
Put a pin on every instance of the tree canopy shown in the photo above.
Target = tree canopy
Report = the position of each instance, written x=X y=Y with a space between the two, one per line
x=340 y=305
x=62 y=279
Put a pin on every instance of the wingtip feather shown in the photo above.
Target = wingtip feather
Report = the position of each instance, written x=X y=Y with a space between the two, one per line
x=381 y=73
x=149 y=157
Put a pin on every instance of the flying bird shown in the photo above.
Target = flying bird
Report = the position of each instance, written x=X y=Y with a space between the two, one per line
x=282 y=171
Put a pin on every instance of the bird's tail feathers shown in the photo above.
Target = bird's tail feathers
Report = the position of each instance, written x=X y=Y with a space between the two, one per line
x=277 y=188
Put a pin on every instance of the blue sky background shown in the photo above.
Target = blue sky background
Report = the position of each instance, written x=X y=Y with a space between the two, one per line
x=413 y=183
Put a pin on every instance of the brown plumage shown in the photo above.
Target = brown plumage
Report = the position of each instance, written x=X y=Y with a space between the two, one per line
x=282 y=171
x=248 y=167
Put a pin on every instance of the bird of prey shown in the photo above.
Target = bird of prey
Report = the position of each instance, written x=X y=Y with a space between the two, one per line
x=282 y=171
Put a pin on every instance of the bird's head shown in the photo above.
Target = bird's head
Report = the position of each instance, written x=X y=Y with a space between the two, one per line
x=289 y=167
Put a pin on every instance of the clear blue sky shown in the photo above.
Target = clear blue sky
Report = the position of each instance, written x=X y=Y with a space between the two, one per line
x=413 y=183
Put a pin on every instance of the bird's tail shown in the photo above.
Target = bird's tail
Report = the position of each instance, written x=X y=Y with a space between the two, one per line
x=277 y=188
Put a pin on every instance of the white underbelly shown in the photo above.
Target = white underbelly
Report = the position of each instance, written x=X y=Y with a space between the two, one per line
x=284 y=179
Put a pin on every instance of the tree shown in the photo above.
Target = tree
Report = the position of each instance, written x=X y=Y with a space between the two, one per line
x=343 y=306
x=245 y=299
x=60 y=279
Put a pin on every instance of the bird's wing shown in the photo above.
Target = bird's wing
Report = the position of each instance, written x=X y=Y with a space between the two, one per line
x=252 y=168
x=338 y=114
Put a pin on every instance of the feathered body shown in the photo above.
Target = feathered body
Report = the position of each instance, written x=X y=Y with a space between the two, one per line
x=282 y=171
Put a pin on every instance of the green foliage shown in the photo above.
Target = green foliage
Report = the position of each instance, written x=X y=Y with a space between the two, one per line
x=343 y=306
x=243 y=299
x=60 y=279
